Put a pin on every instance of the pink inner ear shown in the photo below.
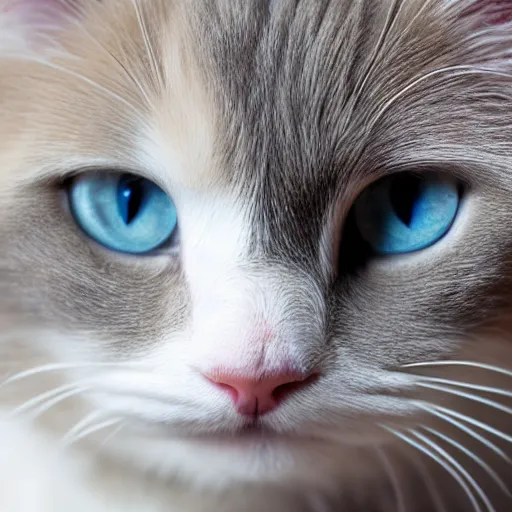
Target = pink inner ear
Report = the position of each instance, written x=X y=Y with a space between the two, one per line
x=493 y=12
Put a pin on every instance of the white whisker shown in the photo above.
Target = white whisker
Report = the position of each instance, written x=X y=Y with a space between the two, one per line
x=441 y=462
x=55 y=401
x=458 y=466
x=476 y=387
x=468 y=396
x=62 y=367
x=41 y=398
x=90 y=418
x=468 y=431
x=45 y=398
x=474 y=457
x=472 y=364
x=92 y=430
x=476 y=423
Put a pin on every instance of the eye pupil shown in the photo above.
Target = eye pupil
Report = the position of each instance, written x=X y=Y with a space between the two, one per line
x=407 y=212
x=131 y=195
x=403 y=193
x=123 y=212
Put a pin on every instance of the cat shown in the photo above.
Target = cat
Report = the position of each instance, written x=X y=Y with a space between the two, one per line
x=255 y=255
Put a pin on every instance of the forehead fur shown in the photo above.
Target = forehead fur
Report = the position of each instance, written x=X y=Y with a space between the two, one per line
x=288 y=107
x=289 y=94
x=112 y=77
x=316 y=99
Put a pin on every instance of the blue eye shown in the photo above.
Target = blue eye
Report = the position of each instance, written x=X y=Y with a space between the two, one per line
x=407 y=212
x=123 y=212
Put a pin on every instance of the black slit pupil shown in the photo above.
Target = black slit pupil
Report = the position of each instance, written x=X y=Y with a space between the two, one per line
x=133 y=193
x=403 y=193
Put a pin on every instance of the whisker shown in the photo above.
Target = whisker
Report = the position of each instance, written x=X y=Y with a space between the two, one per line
x=476 y=387
x=44 y=398
x=468 y=396
x=472 y=364
x=55 y=401
x=474 y=457
x=395 y=482
x=467 y=430
x=92 y=430
x=90 y=418
x=58 y=396
x=476 y=423
x=62 y=367
x=458 y=466
x=440 y=461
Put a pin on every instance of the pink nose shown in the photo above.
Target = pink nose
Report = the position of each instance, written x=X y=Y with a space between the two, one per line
x=254 y=396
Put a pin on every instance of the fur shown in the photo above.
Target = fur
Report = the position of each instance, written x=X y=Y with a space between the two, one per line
x=263 y=120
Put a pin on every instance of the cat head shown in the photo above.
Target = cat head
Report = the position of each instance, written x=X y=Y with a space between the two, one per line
x=231 y=227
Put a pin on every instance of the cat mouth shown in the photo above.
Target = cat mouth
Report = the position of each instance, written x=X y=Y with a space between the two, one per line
x=252 y=430
x=251 y=433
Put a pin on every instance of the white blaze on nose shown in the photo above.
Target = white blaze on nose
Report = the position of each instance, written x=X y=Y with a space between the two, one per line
x=226 y=304
x=235 y=313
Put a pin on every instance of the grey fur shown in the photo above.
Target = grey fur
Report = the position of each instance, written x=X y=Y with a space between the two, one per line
x=311 y=100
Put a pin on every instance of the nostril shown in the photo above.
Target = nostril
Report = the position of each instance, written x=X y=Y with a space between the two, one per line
x=255 y=395
x=283 y=391
x=230 y=390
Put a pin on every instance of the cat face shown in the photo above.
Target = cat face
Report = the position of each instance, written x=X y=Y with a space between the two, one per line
x=257 y=323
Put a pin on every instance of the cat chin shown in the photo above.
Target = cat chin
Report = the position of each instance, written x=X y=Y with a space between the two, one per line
x=213 y=464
